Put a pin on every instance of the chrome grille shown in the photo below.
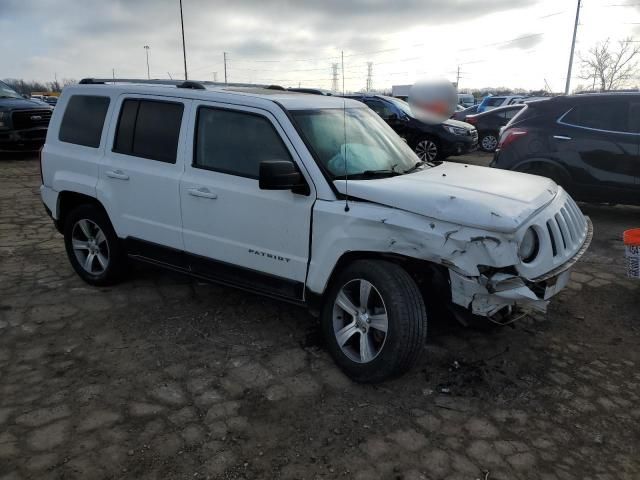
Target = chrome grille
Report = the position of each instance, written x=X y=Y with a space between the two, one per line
x=24 y=119
x=566 y=229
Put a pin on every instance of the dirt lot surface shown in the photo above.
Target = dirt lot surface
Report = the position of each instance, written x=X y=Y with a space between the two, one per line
x=166 y=377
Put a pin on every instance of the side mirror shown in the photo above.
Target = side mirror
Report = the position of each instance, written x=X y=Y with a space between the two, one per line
x=282 y=175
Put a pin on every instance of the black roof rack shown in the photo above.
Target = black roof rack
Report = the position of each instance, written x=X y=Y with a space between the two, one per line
x=190 y=84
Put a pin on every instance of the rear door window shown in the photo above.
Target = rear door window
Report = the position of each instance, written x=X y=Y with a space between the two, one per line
x=149 y=129
x=609 y=116
x=83 y=120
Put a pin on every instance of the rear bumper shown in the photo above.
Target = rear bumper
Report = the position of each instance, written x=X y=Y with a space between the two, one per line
x=22 y=140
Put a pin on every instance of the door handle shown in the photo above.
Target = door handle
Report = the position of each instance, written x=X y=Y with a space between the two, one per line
x=119 y=174
x=202 y=192
x=562 y=137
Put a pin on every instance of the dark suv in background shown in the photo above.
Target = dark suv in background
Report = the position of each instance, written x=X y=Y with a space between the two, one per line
x=23 y=122
x=587 y=143
x=431 y=138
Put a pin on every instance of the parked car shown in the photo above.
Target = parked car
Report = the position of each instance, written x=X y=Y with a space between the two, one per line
x=51 y=100
x=466 y=100
x=306 y=198
x=490 y=102
x=586 y=143
x=462 y=115
x=489 y=124
x=23 y=121
x=431 y=138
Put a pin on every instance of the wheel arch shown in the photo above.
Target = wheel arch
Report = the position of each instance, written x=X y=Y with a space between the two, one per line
x=532 y=165
x=429 y=276
x=68 y=200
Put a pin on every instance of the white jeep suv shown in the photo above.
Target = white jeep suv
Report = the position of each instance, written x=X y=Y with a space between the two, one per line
x=307 y=198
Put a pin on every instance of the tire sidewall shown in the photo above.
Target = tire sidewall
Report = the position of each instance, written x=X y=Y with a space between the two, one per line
x=97 y=216
x=386 y=361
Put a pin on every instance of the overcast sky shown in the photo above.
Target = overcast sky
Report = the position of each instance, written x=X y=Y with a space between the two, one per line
x=514 y=43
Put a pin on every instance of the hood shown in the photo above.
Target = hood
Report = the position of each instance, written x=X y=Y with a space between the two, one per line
x=21 y=104
x=457 y=123
x=480 y=197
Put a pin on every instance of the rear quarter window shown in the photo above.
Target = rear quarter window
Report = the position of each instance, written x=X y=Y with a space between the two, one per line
x=83 y=120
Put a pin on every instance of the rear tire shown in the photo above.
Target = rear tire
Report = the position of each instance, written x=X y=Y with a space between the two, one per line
x=93 y=247
x=354 y=328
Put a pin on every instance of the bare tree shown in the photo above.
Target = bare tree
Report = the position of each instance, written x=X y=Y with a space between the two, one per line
x=611 y=67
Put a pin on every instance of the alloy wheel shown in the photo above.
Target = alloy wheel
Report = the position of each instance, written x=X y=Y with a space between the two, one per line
x=360 y=322
x=489 y=143
x=427 y=150
x=90 y=246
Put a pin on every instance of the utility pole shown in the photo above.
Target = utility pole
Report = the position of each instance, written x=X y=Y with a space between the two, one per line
x=573 y=47
x=146 y=49
x=458 y=79
x=215 y=77
x=334 y=77
x=342 y=55
x=225 y=66
x=113 y=73
x=369 y=76
x=184 y=48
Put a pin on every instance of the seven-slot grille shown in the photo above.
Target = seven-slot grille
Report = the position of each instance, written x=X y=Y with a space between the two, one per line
x=567 y=229
x=24 y=119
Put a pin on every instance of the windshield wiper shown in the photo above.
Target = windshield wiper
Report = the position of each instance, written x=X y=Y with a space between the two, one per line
x=367 y=174
x=415 y=167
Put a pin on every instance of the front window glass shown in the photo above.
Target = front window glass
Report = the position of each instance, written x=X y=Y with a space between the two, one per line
x=354 y=141
x=7 y=92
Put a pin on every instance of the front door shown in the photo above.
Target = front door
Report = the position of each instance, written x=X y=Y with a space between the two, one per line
x=235 y=231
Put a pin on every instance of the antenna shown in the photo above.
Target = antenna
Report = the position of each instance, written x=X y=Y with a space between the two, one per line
x=344 y=126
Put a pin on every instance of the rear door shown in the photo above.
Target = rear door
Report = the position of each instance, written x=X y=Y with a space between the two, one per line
x=139 y=178
x=597 y=141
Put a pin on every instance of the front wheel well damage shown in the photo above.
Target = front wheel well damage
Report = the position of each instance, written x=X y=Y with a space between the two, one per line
x=432 y=279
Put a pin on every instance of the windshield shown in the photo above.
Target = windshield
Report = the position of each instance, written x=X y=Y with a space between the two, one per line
x=7 y=92
x=367 y=146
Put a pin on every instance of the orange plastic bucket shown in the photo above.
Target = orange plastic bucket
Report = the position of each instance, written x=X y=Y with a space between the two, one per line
x=631 y=239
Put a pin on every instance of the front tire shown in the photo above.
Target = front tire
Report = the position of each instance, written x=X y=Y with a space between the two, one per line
x=374 y=321
x=93 y=247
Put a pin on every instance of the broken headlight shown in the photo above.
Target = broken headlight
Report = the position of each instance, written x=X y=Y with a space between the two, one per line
x=528 y=249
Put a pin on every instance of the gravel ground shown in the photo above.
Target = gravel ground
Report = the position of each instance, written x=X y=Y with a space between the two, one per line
x=166 y=377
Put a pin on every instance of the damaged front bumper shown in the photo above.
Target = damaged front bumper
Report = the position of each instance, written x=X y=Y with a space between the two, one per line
x=488 y=295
